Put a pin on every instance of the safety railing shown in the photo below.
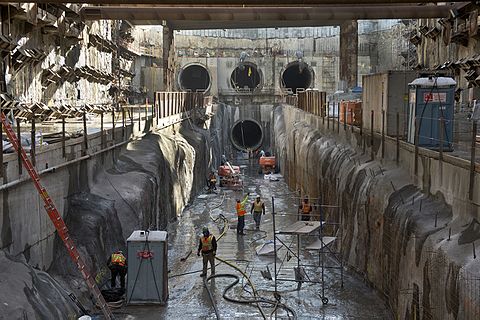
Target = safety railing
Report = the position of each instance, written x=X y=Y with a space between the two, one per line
x=457 y=137
x=115 y=124
x=172 y=103
x=310 y=100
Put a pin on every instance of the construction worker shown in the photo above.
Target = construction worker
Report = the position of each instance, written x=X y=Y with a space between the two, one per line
x=208 y=246
x=258 y=207
x=117 y=263
x=240 y=207
x=212 y=181
x=306 y=209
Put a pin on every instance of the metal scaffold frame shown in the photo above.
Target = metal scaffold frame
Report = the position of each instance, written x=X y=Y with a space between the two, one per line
x=326 y=229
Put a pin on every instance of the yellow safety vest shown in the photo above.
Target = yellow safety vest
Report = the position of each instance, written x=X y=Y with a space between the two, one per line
x=207 y=243
x=118 y=259
x=258 y=206
x=306 y=208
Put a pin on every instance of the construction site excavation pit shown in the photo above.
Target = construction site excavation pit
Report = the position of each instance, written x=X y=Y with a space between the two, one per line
x=246 y=135
x=194 y=77
x=189 y=295
x=297 y=75
x=246 y=77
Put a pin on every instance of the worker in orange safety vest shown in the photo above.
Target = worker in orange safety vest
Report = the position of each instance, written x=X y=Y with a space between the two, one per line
x=208 y=246
x=117 y=263
x=306 y=209
x=240 y=207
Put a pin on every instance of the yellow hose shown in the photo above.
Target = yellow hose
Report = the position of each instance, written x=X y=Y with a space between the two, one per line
x=225 y=228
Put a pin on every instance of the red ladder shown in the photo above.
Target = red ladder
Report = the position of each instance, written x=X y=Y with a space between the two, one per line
x=57 y=219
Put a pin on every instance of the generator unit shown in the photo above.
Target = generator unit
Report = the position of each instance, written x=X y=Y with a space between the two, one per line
x=147 y=275
x=430 y=100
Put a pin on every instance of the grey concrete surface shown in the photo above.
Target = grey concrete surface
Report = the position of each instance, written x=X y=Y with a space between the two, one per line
x=188 y=297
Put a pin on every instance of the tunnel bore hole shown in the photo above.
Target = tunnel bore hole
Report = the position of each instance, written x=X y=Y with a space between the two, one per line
x=247 y=135
x=194 y=78
x=297 y=75
x=245 y=77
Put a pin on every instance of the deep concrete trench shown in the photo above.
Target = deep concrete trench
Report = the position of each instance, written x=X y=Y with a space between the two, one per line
x=386 y=239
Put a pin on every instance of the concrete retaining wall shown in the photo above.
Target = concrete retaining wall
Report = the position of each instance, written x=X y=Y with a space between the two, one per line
x=24 y=224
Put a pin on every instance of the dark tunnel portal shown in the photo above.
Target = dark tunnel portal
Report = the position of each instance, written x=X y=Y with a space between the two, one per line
x=297 y=76
x=247 y=135
x=245 y=77
x=195 y=78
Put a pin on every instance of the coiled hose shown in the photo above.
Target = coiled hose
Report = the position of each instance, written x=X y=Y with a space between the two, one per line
x=257 y=299
x=276 y=304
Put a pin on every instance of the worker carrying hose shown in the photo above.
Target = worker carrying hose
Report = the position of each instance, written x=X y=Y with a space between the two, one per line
x=258 y=207
x=240 y=207
x=117 y=263
x=306 y=209
x=208 y=246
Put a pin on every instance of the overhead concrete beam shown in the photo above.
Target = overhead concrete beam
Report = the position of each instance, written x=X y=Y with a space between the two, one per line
x=254 y=17
x=246 y=2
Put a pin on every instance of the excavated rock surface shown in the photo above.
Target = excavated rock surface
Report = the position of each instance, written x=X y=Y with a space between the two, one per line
x=149 y=185
x=393 y=233
x=28 y=293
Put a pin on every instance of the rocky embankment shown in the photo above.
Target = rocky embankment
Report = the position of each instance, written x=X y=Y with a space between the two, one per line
x=392 y=233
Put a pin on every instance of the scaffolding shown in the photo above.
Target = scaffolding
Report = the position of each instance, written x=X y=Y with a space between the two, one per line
x=324 y=225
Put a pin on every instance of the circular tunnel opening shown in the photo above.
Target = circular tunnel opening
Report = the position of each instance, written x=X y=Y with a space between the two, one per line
x=247 y=135
x=194 y=78
x=246 y=77
x=297 y=75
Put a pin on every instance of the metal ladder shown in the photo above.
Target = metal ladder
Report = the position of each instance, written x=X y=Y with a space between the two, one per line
x=56 y=219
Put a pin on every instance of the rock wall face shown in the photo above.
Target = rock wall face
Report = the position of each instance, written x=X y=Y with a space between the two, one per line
x=393 y=233
x=148 y=187
x=31 y=294
x=149 y=183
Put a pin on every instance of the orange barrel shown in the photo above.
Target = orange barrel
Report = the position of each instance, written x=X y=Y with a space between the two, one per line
x=357 y=113
x=343 y=106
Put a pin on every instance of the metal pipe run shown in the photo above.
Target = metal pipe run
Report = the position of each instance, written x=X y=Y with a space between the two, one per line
x=65 y=164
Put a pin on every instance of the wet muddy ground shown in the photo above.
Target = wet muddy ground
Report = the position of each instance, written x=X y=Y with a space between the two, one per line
x=188 y=296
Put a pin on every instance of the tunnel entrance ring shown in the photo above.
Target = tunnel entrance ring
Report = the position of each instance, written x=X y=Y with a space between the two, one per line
x=246 y=77
x=296 y=75
x=194 y=77
x=246 y=135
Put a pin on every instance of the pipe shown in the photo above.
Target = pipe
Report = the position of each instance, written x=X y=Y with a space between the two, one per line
x=65 y=164
x=246 y=135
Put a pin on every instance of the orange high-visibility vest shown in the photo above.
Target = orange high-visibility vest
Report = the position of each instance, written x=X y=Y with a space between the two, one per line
x=306 y=208
x=240 y=209
x=118 y=259
x=207 y=243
